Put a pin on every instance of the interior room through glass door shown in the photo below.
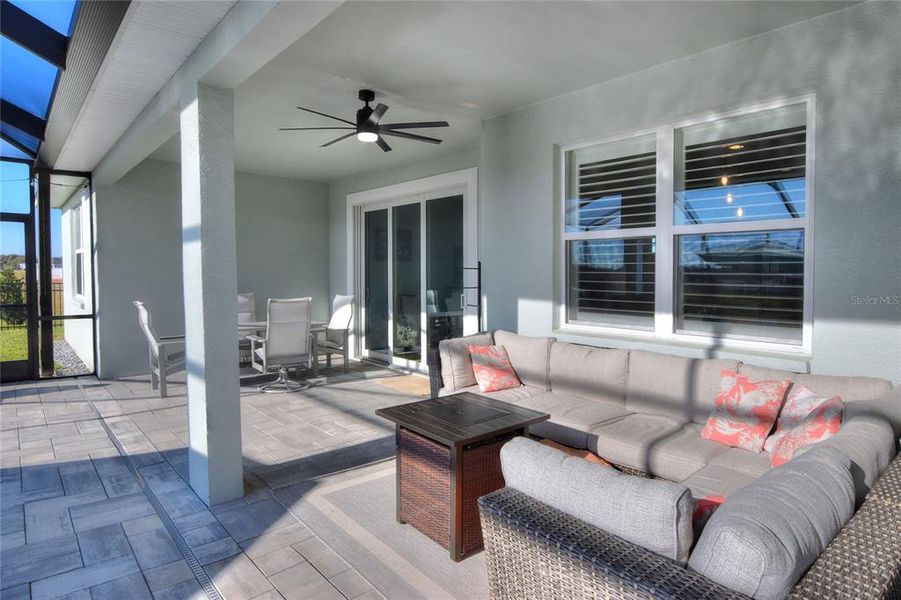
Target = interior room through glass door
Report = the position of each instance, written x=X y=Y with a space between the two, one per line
x=407 y=300
x=375 y=283
x=445 y=298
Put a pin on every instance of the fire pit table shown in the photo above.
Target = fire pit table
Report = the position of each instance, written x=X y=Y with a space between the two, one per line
x=448 y=455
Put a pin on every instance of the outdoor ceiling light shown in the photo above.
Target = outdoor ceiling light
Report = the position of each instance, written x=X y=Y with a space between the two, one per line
x=367 y=136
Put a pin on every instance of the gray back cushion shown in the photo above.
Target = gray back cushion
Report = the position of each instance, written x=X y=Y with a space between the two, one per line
x=674 y=386
x=652 y=513
x=887 y=406
x=590 y=373
x=529 y=356
x=868 y=441
x=768 y=533
x=849 y=388
x=456 y=364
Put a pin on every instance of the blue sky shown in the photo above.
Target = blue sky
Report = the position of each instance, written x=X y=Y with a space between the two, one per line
x=15 y=198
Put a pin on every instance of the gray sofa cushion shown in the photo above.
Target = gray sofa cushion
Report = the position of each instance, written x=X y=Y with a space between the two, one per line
x=656 y=444
x=572 y=419
x=652 y=513
x=530 y=356
x=849 y=388
x=456 y=365
x=867 y=439
x=766 y=535
x=887 y=406
x=754 y=464
x=512 y=395
x=717 y=480
x=678 y=387
x=590 y=373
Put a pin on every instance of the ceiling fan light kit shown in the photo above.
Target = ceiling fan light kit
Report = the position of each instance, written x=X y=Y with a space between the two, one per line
x=368 y=128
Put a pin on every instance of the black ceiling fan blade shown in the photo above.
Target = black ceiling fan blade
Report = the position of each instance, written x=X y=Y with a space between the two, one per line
x=419 y=125
x=312 y=128
x=376 y=114
x=383 y=144
x=343 y=137
x=322 y=114
x=409 y=136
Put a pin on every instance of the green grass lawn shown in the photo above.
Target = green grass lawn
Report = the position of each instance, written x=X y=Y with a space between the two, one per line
x=14 y=342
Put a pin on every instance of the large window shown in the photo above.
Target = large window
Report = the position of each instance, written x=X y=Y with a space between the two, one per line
x=78 y=250
x=610 y=227
x=696 y=229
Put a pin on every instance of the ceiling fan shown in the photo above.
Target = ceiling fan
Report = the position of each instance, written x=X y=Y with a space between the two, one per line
x=368 y=127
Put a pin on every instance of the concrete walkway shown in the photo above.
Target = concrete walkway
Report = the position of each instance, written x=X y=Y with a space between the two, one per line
x=94 y=471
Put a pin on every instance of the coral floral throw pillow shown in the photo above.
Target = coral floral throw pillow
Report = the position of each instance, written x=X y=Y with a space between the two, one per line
x=806 y=419
x=744 y=411
x=492 y=368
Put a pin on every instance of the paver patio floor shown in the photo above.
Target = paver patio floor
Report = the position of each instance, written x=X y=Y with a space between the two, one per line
x=78 y=515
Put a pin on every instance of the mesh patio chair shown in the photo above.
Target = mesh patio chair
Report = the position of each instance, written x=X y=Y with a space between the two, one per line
x=287 y=342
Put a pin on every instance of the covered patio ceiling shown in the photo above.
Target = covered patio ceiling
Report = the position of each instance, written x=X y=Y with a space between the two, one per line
x=461 y=62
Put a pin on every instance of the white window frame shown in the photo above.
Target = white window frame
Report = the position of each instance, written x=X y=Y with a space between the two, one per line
x=77 y=224
x=665 y=232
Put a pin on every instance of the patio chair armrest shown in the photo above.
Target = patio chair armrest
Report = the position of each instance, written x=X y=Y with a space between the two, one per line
x=435 y=381
x=864 y=559
x=255 y=338
x=172 y=341
x=535 y=551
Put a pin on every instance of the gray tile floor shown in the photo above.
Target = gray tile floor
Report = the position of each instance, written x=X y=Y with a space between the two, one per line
x=76 y=522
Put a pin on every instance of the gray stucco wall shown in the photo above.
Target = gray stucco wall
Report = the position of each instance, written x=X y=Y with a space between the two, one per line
x=849 y=59
x=338 y=190
x=282 y=237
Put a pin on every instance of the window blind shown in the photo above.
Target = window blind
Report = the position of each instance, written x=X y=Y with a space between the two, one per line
x=746 y=284
x=612 y=281
x=617 y=193
x=749 y=177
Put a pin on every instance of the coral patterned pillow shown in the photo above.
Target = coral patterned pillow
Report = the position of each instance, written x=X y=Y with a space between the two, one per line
x=744 y=411
x=806 y=419
x=703 y=510
x=492 y=368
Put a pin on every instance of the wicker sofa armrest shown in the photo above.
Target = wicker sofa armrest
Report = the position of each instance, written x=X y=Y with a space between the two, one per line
x=535 y=551
x=435 y=381
x=864 y=560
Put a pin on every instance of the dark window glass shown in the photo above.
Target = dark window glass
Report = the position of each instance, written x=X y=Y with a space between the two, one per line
x=741 y=284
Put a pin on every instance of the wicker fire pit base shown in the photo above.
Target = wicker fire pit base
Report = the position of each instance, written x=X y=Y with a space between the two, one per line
x=448 y=455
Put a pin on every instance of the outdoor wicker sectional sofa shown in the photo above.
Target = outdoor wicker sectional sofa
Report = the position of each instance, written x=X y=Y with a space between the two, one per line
x=643 y=412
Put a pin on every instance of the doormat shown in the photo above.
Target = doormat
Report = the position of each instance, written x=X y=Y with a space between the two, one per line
x=417 y=385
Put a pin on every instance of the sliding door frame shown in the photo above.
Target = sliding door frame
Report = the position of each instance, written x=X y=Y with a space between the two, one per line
x=458 y=183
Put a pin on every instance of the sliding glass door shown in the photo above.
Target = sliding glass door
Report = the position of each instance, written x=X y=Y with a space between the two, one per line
x=407 y=283
x=375 y=315
x=413 y=278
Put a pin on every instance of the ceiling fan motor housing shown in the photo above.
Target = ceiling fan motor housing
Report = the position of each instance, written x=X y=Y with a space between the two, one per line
x=362 y=118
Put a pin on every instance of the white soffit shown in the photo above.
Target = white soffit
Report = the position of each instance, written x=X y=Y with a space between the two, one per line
x=155 y=38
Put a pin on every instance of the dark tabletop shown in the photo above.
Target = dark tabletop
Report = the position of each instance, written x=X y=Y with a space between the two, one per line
x=461 y=418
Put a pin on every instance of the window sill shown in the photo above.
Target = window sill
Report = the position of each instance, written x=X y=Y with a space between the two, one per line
x=710 y=346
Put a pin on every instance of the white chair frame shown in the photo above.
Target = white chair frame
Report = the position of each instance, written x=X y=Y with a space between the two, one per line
x=166 y=353
x=338 y=327
x=267 y=362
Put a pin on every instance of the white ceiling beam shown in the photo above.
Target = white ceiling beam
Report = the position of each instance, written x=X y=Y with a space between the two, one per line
x=249 y=36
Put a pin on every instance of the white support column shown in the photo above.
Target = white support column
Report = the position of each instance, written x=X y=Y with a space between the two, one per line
x=209 y=264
